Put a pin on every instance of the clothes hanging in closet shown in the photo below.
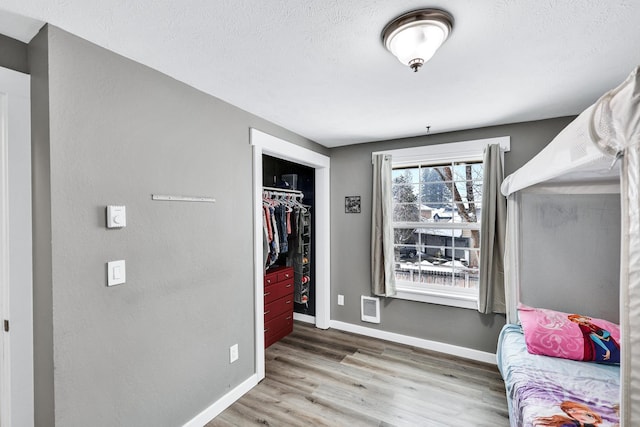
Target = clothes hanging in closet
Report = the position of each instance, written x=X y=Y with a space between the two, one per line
x=280 y=221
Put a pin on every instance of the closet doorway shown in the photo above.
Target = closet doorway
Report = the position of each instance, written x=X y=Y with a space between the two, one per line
x=265 y=144
x=292 y=179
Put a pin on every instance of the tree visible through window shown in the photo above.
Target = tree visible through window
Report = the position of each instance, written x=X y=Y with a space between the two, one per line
x=436 y=221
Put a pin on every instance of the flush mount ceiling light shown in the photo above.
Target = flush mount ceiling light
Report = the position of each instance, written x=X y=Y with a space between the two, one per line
x=415 y=36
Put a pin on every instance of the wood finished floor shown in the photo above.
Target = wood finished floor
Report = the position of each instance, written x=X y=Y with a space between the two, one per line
x=332 y=378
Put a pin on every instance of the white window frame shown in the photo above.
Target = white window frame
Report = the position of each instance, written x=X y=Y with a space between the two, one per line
x=465 y=151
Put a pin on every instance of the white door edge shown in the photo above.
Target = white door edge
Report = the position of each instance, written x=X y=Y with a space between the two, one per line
x=16 y=288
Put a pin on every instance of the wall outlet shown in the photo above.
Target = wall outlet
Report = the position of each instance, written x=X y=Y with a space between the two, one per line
x=340 y=299
x=233 y=353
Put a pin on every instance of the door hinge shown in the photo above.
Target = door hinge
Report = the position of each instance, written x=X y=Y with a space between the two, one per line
x=6 y=326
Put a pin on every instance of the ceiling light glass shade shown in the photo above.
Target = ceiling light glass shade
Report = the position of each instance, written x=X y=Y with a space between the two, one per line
x=415 y=36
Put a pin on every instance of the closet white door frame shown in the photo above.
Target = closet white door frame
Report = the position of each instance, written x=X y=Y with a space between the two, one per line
x=16 y=289
x=267 y=144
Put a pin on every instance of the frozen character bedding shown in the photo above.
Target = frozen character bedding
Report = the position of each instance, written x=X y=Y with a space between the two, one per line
x=553 y=391
x=575 y=415
x=569 y=336
x=599 y=345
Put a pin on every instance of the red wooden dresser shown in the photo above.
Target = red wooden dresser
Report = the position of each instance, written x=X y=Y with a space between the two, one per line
x=278 y=304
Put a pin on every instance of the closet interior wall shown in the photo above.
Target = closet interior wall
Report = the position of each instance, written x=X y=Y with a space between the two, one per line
x=273 y=170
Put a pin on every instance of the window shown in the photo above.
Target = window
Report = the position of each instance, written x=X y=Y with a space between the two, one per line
x=437 y=195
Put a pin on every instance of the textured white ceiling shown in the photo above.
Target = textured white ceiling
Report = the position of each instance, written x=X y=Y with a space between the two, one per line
x=318 y=67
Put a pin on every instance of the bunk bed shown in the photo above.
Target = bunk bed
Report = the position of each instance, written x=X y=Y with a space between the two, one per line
x=586 y=182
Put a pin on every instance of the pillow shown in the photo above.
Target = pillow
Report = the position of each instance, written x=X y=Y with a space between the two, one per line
x=569 y=336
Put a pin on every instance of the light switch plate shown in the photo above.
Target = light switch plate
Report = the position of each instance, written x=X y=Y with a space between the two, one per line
x=233 y=353
x=116 y=216
x=116 y=273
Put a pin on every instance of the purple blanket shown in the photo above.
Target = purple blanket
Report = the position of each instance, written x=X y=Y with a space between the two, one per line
x=547 y=391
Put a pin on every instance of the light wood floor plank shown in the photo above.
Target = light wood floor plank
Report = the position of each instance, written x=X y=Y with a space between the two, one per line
x=332 y=378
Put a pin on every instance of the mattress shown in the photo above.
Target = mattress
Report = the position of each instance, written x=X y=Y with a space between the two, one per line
x=541 y=389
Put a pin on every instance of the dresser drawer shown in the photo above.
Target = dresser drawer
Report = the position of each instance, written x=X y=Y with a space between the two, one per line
x=277 y=307
x=280 y=322
x=272 y=337
x=270 y=279
x=285 y=275
x=279 y=275
x=277 y=325
x=278 y=290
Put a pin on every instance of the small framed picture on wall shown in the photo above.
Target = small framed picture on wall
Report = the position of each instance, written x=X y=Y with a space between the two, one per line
x=352 y=204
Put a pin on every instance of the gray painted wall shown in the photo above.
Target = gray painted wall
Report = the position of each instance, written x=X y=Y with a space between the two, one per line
x=350 y=234
x=13 y=54
x=41 y=232
x=570 y=253
x=155 y=350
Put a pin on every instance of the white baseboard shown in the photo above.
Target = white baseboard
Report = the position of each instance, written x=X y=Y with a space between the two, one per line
x=304 y=318
x=228 y=399
x=467 y=353
x=223 y=403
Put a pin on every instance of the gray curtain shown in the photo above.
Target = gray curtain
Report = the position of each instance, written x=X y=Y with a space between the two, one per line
x=491 y=298
x=383 y=281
